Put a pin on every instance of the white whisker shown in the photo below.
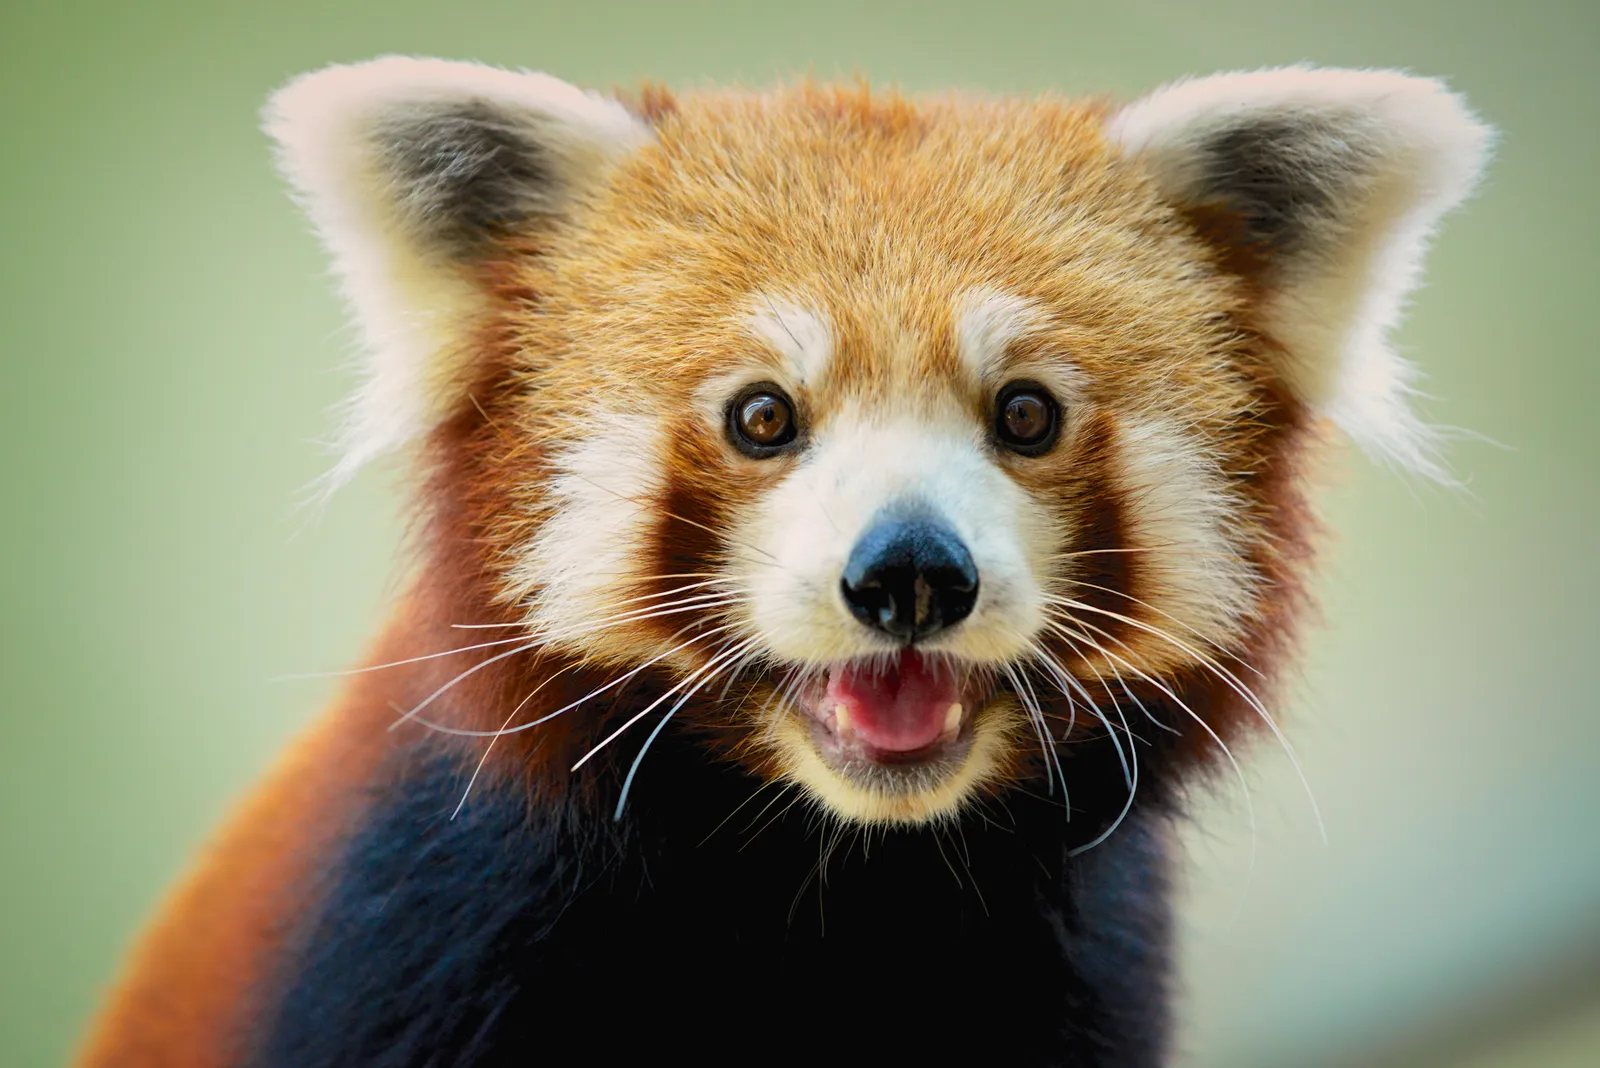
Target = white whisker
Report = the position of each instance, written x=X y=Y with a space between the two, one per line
x=639 y=615
x=1233 y=683
x=633 y=769
x=1030 y=702
x=488 y=626
x=1048 y=662
x=1133 y=782
x=466 y=733
x=400 y=663
x=1250 y=809
x=637 y=716
x=1064 y=676
x=474 y=669
x=1146 y=604
x=757 y=792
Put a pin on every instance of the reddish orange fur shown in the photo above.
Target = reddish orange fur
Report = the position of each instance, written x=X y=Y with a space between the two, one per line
x=639 y=298
x=648 y=300
x=196 y=973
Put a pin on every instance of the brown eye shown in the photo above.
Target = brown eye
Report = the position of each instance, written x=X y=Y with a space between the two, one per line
x=761 y=421
x=1027 y=419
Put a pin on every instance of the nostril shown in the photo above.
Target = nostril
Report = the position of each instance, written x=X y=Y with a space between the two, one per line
x=869 y=601
x=910 y=579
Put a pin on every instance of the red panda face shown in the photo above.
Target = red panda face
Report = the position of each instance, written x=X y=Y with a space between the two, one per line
x=990 y=381
x=910 y=439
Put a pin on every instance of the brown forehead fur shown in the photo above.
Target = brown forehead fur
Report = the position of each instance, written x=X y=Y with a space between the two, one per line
x=879 y=211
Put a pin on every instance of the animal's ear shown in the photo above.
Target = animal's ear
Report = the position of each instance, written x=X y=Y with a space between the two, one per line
x=412 y=171
x=1324 y=186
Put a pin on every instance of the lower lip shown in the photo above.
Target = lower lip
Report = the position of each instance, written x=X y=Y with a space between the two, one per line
x=846 y=751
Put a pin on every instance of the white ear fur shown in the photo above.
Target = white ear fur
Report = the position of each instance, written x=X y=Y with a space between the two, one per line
x=1341 y=177
x=405 y=167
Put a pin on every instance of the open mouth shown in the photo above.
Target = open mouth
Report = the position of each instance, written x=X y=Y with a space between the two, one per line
x=886 y=721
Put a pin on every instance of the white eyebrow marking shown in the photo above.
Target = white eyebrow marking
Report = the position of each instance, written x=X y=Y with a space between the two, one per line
x=987 y=322
x=802 y=336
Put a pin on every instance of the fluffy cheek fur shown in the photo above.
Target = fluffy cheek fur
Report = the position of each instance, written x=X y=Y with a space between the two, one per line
x=580 y=575
x=1189 y=572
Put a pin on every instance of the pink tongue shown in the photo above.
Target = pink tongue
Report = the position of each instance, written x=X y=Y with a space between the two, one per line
x=897 y=709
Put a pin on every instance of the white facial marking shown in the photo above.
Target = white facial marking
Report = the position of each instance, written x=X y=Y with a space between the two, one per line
x=857 y=466
x=575 y=569
x=987 y=322
x=1181 y=514
x=803 y=337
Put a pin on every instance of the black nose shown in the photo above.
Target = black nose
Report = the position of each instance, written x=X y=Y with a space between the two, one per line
x=910 y=578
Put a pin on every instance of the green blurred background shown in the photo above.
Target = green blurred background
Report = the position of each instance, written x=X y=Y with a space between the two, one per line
x=172 y=346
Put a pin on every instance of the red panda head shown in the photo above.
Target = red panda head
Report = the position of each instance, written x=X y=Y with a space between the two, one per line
x=904 y=439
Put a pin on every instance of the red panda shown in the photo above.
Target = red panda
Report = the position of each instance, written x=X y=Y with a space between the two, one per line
x=849 y=523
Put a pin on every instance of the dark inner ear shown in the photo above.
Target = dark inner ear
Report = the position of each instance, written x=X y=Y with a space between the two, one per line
x=1282 y=183
x=464 y=173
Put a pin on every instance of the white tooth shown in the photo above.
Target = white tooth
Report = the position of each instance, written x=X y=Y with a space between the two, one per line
x=952 y=718
x=841 y=719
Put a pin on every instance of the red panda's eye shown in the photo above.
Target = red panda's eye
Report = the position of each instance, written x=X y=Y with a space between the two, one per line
x=1027 y=419
x=761 y=421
